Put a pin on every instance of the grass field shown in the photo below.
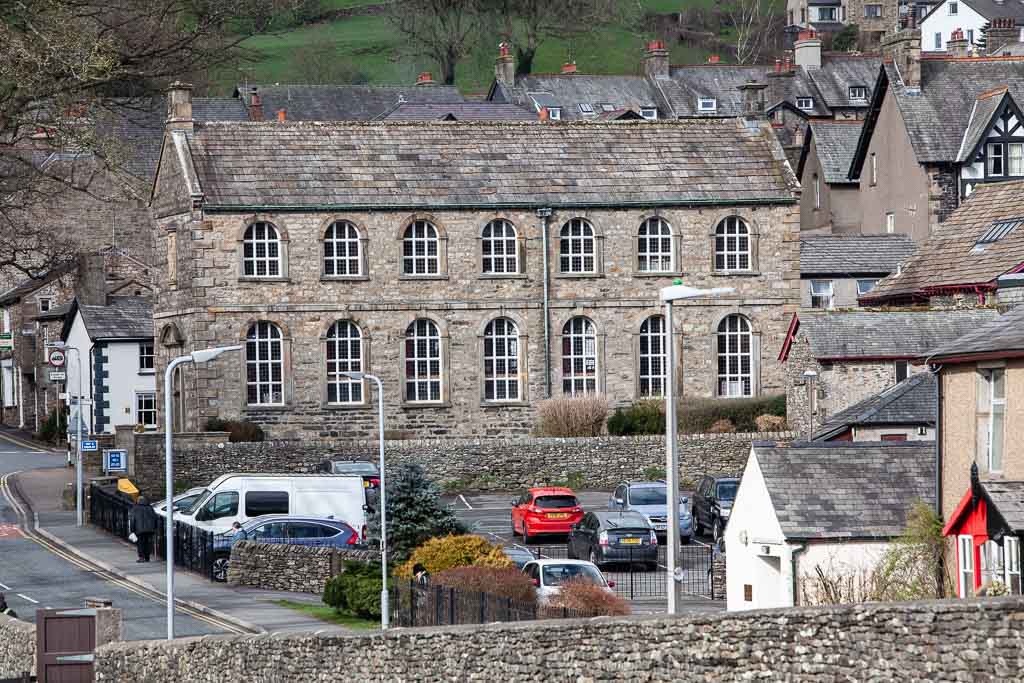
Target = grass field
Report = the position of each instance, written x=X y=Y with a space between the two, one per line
x=327 y=614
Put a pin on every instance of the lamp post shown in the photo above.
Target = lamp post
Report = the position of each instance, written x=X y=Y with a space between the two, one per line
x=202 y=356
x=669 y=295
x=384 y=616
x=78 y=446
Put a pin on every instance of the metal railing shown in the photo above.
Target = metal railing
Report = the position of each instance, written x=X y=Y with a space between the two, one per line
x=109 y=511
x=193 y=548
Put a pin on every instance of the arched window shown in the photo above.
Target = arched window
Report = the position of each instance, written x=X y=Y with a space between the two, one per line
x=423 y=362
x=579 y=357
x=499 y=249
x=652 y=357
x=341 y=249
x=732 y=244
x=577 y=247
x=735 y=357
x=654 y=246
x=501 y=361
x=420 y=249
x=261 y=251
x=344 y=354
x=264 y=365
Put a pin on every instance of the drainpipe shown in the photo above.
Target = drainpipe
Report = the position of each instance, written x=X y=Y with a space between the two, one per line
x=792 y=559
x=544 y=214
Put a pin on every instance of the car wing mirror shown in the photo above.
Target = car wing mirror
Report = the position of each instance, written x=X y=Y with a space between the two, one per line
x=619 y=501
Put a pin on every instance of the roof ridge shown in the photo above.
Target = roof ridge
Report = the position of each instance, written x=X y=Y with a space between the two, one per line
x=663 y=123
x=993 y=92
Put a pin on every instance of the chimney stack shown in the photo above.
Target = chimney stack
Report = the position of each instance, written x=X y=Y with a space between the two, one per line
x=778 y=66
x=425 y=78
x=904 y=49
x=505 y=66
x=808 y=50
x=1001 y=32
x=787 y=62
x=569 y=68
x=179 y=106
x=255 y=106
x=656 y=60
x=91 y=283
x=753 y=99
x=543 y=114
x=957 y=44
x=714 y=59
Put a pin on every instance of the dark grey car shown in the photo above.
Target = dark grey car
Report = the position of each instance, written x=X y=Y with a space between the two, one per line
x=712 y=504
x=606 y=537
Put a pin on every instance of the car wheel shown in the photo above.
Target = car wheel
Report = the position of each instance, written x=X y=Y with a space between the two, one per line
x=512 y=521
x=569 y=552
x=527 y=539
x=697 y=529
x=220 y=568
x=716 y=530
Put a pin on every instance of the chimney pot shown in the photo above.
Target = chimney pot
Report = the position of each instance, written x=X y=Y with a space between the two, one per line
x=505 y=66
x=656 y=60
x=569 y=68
x=714 y=59
x=425 y=78
x=543 y=114
x=778 y=66
x=255 y=107
x=503 y=49
x=179 y=106
x=282 y=115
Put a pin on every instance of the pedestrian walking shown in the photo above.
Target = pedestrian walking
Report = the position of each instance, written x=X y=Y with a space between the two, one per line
x=420 y=573
x=143 y=521
x=5 y=610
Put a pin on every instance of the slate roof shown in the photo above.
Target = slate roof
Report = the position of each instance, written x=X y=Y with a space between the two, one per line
x=472 y=164
x=1004 y=335
x=985 y=107
x=836 y=490
x=839 y=72
x=1008 y=498
x=722 y=81
x=887 y=334
x=123 y=318
x=911 y=402
x=853 y=255
x=29 y=285
x=992 y=9
x=948 y=256
x=343 y=102
x=459 y=111
x=567 y=91
x=835 y=142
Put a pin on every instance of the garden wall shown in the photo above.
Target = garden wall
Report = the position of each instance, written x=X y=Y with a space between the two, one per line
x=292 y=568
x=17 y=647
x=977 y=640
x=459 y=464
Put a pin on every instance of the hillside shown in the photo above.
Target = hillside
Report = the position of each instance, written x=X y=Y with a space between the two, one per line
x=354 y=42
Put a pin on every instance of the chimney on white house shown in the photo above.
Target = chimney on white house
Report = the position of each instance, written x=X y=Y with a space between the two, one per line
x=807 y=50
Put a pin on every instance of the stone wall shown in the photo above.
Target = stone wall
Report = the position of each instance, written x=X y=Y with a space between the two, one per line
x=293 y=568
x=954 y=640
x=463 y=464
x=17 y=647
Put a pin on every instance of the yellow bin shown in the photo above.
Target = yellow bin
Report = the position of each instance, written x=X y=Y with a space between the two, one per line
x=126 y=487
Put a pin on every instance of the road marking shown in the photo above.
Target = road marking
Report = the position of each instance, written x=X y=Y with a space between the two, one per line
x=18 y=442
x=465 y=502
x=10 y=531
x=6 y=588
x=22 y=595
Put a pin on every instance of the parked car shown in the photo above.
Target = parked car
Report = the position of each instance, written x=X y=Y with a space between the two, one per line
x=367 y=470
x=712 y=504
x=518 y=554
x=182 y=501
x=549 y=575
x=547 y=510
x=608 y=537
x=650 y=499
x=293 y=530
x=240 y=497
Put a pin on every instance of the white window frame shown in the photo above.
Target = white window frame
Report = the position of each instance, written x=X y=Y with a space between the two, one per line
x=1015 y=159
x=938 y=40
x=502 y=369
x=861 y=290
x=734 y=382
x=499 y=248
x=48 y=303
x=733 y=240
x=896 y=366
x=994 y=460
x=144 y=366
x=7 y=321
x=264 y=363
x=829 y=14
x=858 y=92
x=817 y=191
x=344 y=353
x=652 y=364
x=586 y=108
x=965 y=565
x=580 y=364
x=823 y=292
x=149 y=396
x=424 y=354
x=340 y=239
x=890 y=222
x=874 y=169
x=805 y=103
x=421 y=250
x=1011 y=562
x=555 y=113
x=994 y=151
x=654 y=247
x=953 y=8
x=261 y=250
x=869 y=15
x=577 y=248
x=649 y=113
x=970 y=36
x=993 y=567
x=707 y=104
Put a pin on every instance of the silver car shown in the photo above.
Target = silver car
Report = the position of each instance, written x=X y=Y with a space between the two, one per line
x=650 y=499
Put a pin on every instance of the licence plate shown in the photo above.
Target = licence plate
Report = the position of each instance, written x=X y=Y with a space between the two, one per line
x=558 y=515
x=630 y=541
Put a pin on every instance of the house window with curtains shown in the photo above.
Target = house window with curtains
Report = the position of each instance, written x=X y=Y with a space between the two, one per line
x=991 y=417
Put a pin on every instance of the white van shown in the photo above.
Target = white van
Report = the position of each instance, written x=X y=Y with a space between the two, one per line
x=240 y=497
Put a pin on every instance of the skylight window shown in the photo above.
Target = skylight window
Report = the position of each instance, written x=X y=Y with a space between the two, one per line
x=998 y=231
x=607 y=107
x=586 y=108
x=707 y=104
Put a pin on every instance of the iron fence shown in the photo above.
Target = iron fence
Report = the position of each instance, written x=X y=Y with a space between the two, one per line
x=193 y=547
x=109 y=511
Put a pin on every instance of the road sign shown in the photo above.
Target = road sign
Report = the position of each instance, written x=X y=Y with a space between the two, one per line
x=58 y=375
x=6 y=341
x=62 y=396
x=57 y=358
x=89 y=445
x=114 y=460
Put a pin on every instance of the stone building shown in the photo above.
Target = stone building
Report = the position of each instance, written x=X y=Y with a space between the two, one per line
x=832 y=201
x=416 y=251
x=903 y=412
x=836 y=270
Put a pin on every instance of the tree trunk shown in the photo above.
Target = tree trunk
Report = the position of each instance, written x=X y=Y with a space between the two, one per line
x=524 y=61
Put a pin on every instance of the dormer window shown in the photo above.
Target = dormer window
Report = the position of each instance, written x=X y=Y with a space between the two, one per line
x=805 y=103
x=607 y=107
x=858 y=92
x=649 y=113
x=586 y=109
x=954 y=9
x=707 y=104
x=555 y=113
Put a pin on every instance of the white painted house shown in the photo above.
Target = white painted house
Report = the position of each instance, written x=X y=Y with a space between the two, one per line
x=969 y=16
x=833 y=505
x=116 y=343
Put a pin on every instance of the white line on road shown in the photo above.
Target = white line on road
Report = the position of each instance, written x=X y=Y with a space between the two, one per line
x=22 y=595
x=465 y=502
x=6 y=588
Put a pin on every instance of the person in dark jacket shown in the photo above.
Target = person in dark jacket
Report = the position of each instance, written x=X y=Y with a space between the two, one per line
x=5 y=610
x=143 y=521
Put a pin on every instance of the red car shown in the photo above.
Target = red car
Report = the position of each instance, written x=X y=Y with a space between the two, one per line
x=547 y=510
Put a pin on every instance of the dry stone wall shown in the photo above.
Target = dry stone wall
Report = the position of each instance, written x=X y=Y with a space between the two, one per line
x=977 y=640
x=17 y=647
x=293 y=568
x=458 y=464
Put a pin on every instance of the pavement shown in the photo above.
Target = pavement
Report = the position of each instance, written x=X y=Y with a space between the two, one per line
x=64 y=564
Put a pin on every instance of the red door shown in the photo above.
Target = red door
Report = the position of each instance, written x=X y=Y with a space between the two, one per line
x=65 y=640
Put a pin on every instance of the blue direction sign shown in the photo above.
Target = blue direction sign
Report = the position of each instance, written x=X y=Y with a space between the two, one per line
x=89 y=445
x=115 y=460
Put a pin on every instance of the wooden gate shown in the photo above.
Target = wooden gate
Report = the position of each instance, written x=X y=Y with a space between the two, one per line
x=65 y=640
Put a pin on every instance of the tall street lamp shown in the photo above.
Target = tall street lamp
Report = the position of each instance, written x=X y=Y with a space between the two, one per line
x=202 y=356
x=669 y=295
x=78 y=447
x=384 y=616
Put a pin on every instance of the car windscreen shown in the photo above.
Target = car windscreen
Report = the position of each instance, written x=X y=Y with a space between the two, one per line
x=195 y=504
x=354 y=468
x=648 y=495
x=549 y=502
x=557 y=574
x=727 y=490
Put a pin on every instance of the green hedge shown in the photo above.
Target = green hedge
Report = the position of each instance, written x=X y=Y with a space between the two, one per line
x=238 y=430
x=356 y=590
x=696 y=415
